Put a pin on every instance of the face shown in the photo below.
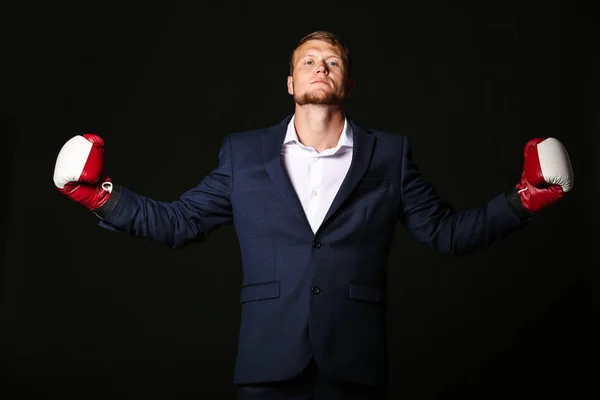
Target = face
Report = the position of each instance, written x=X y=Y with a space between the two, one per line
x=319 y=75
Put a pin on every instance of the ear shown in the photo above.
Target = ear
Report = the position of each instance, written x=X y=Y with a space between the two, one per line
x=290 y=85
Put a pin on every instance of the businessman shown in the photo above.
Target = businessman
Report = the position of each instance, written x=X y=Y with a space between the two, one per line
x=315 y=200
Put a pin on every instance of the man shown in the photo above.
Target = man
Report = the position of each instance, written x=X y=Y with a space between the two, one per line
x=315 y=200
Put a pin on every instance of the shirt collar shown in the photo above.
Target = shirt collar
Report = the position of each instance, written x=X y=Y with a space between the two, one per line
x=346 y=138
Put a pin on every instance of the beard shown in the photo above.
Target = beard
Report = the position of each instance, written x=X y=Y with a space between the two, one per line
x=317 y=98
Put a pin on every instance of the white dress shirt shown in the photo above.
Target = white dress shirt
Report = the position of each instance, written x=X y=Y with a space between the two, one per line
x=316 y=177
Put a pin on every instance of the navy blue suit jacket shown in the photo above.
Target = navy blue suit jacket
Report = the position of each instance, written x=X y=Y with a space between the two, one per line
x=306 y=294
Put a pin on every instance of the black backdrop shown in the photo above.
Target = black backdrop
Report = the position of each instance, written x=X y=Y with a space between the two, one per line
x=88 y=313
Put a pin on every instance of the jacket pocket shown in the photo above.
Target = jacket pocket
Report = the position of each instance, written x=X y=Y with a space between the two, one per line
x=260 y=291
x=371 y=294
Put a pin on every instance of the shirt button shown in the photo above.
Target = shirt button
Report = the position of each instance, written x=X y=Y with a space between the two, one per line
x=314 y=193
x=315 y=289
x=316 y=244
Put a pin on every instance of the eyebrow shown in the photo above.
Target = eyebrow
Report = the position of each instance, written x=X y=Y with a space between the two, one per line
x=327 y=56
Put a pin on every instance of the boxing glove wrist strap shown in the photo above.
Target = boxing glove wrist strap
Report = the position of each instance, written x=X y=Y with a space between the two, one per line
x=515 y=203
x=104 y=210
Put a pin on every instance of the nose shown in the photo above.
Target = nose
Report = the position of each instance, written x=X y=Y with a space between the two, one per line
x=322 y=68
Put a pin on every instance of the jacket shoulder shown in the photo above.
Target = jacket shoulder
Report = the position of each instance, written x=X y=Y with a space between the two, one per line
x=380 y=134
x=256 y=134
x=251 y=134
x=387 y=136
x=384 y=137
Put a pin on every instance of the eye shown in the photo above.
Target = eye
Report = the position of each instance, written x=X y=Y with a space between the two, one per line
x=333 y=63
x=308 y=62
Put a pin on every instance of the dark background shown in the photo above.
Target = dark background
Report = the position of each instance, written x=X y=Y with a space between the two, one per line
x=90 y=314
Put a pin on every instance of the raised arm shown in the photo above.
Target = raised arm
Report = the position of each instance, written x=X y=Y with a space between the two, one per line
x=547 y=176
x=199 y=211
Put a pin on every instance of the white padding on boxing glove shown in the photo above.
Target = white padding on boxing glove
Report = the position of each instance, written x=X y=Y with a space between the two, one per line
x=71 y=160
x=555 y=163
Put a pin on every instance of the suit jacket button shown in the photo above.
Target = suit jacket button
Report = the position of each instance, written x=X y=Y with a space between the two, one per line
x=315 y=289
x=316 y=244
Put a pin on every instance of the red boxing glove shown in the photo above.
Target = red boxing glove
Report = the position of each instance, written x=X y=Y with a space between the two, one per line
x=78 y=172
x=547 y=174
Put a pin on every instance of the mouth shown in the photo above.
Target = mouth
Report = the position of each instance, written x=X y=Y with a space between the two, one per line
x=322 y=82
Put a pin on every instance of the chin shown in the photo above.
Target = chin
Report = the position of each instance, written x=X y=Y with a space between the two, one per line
x=318 y=98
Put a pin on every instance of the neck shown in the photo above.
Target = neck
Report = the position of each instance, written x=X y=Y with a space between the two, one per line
x=319 y=126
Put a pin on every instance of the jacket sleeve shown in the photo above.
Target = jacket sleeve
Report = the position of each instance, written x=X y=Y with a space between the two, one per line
x=432 y=220
x=191 y=218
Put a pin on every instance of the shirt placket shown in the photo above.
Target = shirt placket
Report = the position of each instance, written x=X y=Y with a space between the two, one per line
x=315 y=186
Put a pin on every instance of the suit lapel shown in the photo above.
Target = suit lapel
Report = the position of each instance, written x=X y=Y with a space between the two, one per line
x=361 y=157
x=272 y=143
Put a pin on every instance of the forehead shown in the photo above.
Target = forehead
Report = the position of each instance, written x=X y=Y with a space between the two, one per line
x=317 y=46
